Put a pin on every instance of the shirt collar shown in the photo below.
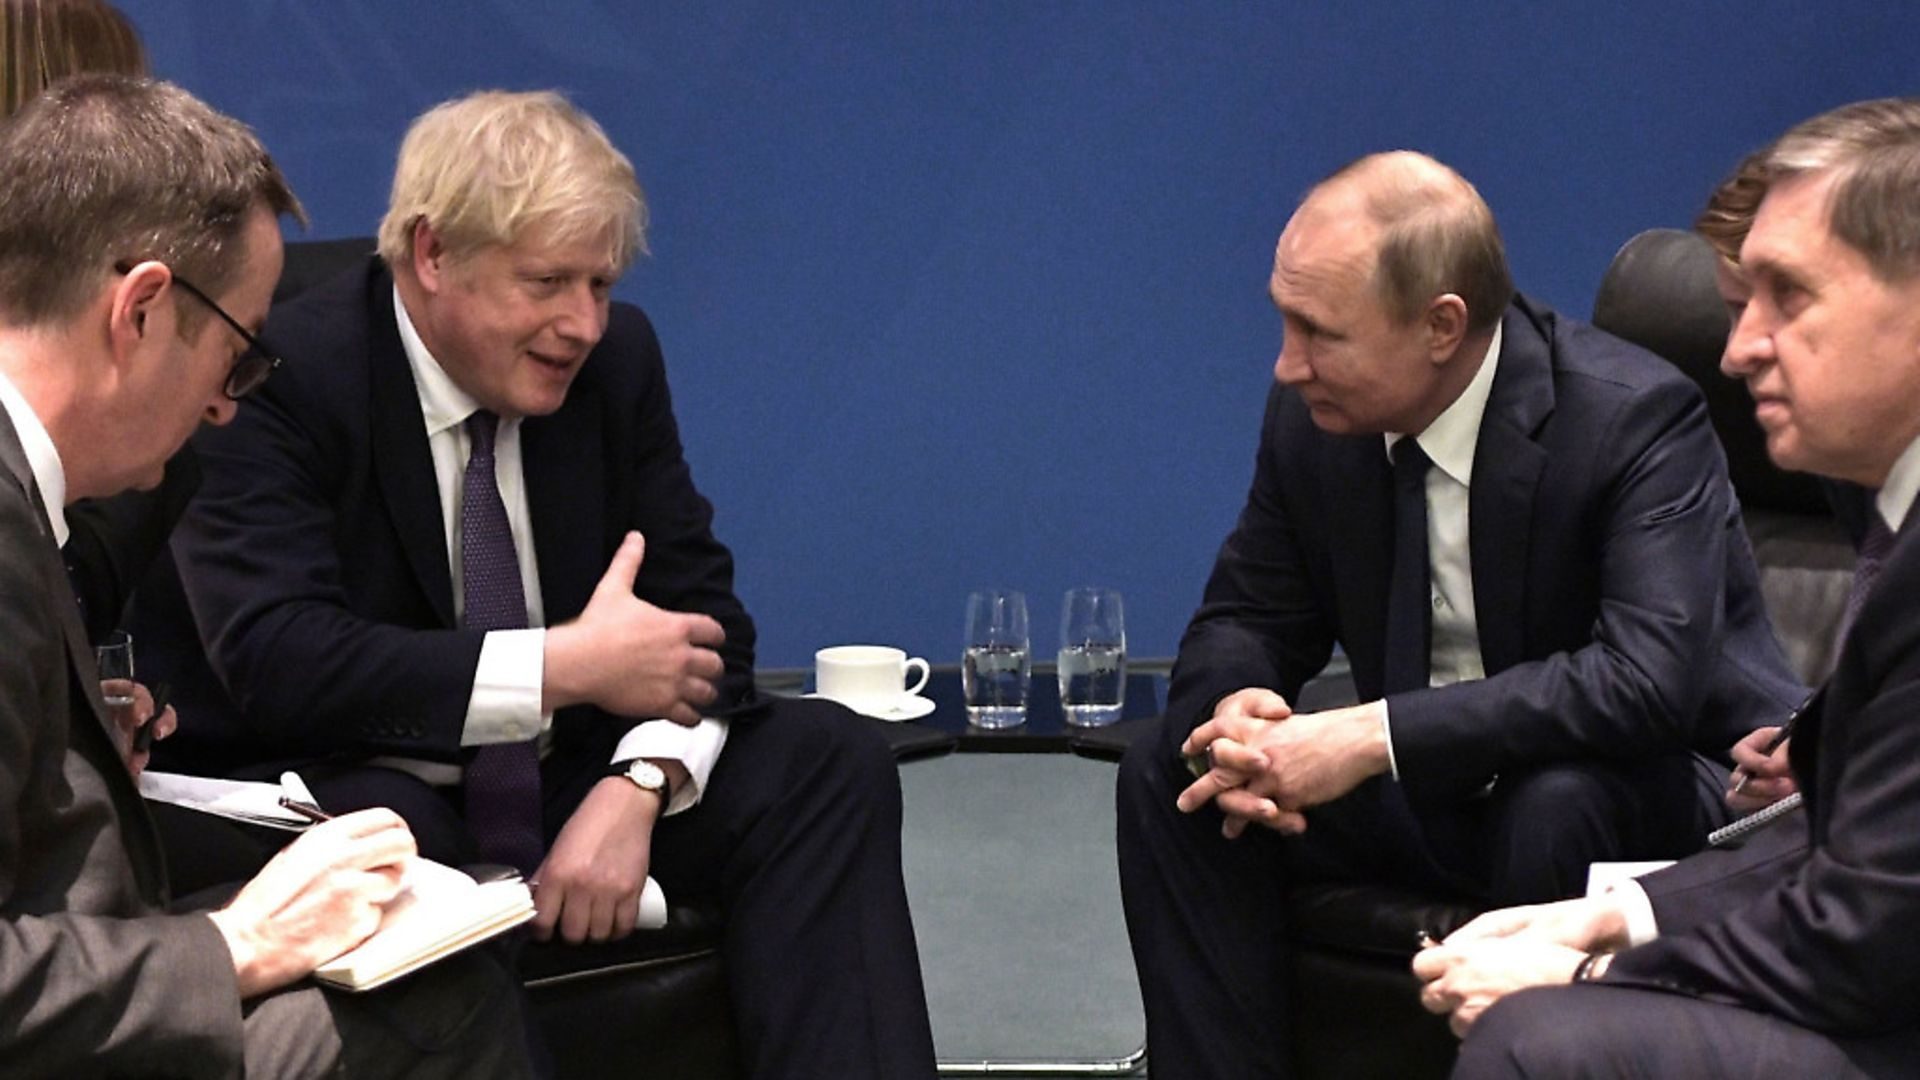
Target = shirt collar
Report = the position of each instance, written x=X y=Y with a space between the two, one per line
x=1450 y=440
x=1901 y=486
x=43 y=458
x=442 y=403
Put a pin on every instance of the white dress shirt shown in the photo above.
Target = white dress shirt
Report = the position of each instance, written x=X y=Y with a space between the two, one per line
x=1892 y=503
x=507 y=683
x=42 y=457
x=1454 y=653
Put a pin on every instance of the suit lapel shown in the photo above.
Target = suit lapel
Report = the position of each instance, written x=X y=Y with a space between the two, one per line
x=1507 y=464
x=94 y=737
x=405 y=462
x=564 y=463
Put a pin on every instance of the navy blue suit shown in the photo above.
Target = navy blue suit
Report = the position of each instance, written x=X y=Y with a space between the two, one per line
x=1794 y=955
x=1620 y=626
x=316 y=565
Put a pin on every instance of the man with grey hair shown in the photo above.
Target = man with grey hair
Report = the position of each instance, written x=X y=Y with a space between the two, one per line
x=1794 y=956
x=139 y=243
x=455 y=564
x=1521 y=532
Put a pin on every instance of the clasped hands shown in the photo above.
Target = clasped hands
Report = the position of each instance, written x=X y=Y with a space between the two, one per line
x=1512 y=949
x=1266 y=764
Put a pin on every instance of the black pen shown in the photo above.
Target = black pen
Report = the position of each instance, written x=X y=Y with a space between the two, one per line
x=1779 y=738
x=305 y=809
x=143 y=735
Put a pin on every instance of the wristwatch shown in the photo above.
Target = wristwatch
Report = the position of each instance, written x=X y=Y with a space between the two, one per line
x=646 y=776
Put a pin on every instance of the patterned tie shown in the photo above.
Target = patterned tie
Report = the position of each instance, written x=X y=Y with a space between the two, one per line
x=502 y=780
x=1875 y=544
x=1410 y=596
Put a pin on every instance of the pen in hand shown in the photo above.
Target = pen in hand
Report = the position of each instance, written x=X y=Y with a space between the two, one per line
x=1740 y=775
x=143 y=735
x=305 y=809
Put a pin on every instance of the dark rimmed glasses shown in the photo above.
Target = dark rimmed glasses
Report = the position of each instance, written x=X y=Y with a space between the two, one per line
x=252 y=367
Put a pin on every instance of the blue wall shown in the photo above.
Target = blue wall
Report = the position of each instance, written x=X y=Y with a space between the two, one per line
x=959 y=293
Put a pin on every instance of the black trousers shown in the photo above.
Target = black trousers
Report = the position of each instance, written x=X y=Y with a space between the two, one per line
x=796 y=839
x=1206 y=916
x=1607 y=1032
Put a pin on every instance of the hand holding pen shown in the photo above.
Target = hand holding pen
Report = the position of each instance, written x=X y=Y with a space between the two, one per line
x=1761 y=773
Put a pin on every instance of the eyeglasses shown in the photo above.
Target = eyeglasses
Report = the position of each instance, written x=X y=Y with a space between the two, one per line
x=253 y=366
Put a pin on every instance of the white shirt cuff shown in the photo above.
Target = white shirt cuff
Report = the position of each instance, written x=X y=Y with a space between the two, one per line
x=505 y=704
x=1636 y=909
x=1386 y=732
x=697 y=748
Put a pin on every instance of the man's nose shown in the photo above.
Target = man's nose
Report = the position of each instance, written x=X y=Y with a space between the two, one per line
x=1291 y=367
x=1749 y=344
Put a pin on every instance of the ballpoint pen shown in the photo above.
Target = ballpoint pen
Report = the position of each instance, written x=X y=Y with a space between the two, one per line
x=305 y=809
x=1779 y=737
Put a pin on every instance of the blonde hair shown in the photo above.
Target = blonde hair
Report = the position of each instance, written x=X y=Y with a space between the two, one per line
x=484 y=169
x=44 y=40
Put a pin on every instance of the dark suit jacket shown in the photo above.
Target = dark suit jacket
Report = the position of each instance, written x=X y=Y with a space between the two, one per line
x=316 y=562
x=1822 y=933
x=94 y=979
x=1617 y=603
x=112 y=542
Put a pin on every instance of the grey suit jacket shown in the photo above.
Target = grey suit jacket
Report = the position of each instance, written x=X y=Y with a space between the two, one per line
x=94 y=977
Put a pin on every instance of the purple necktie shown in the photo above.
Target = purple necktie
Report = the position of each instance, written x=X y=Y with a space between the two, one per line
x=1875 y=544
x=502 y=780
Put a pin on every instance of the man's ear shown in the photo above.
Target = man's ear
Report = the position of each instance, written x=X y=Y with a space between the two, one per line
x=1446 y=325
x=132 y=304
x=430 y=261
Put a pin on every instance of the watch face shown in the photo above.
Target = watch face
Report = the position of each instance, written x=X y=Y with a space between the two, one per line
x=647 y=775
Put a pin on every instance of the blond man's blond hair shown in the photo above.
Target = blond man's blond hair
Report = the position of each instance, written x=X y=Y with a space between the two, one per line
x=485 y=169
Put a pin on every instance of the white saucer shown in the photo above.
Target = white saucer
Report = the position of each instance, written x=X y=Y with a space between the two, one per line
x=904 y=707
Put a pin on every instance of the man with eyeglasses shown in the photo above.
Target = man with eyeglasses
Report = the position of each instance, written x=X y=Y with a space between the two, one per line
x=105 y=370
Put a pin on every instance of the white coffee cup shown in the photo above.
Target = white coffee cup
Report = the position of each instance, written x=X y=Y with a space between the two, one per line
x=866 y=678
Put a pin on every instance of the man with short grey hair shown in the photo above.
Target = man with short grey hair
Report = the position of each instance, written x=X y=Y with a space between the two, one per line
x=1794 y=954
x=1520 y=531
x=139 y=245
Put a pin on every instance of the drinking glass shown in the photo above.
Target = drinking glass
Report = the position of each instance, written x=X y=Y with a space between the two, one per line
x=1093 y=657
x=997 y=666
x=115 y=660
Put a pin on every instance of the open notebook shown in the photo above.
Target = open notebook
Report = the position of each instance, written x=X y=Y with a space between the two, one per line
x=442 y=911
x=438 y=913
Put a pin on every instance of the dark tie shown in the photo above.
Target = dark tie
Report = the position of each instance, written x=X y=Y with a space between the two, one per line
x=1875 y=544
x=1410 y=596
x=502 y=780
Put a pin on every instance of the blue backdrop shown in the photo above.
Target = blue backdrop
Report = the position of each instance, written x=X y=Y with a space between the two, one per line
x=974 y=292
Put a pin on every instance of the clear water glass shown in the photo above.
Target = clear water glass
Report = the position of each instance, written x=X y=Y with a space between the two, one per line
x=115 y=660
x=1093 y=657
x=997 y=666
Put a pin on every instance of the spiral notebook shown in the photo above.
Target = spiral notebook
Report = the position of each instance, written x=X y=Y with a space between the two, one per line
x=1727 y=835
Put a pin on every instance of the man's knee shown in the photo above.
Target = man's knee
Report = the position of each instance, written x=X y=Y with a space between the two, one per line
x=1144 y=779
x=837 y=750
x=1533 y=1033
